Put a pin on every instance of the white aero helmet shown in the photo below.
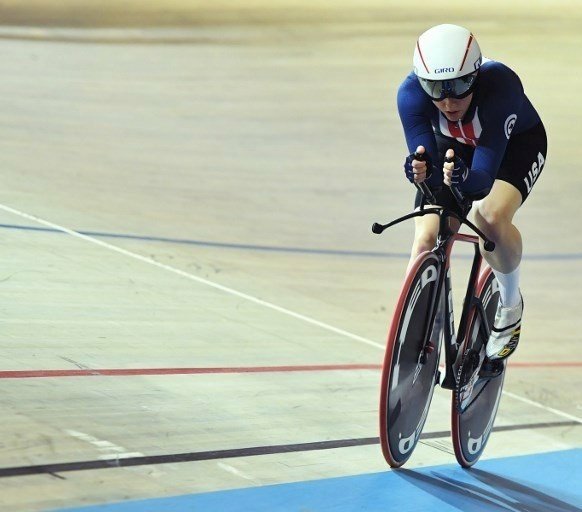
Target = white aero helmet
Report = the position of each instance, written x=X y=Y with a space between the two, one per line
x=446 y=61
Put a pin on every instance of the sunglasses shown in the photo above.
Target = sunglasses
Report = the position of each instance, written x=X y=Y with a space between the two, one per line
x=456 y=88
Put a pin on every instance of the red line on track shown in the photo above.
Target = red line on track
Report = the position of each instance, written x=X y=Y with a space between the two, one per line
x=21 y=374
x=31 y=374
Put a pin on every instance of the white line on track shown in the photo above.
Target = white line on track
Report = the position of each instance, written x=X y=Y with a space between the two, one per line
x=108 y=450
x=230 y=469
x=245 y=296
x=549 y=409
x=192 y=277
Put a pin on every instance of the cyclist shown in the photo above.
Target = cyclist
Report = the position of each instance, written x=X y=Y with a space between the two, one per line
x=472 y=110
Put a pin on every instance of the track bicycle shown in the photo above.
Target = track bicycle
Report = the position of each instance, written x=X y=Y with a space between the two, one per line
x=422 y=327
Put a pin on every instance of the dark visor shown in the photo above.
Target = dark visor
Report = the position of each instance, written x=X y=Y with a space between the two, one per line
x=456 y=88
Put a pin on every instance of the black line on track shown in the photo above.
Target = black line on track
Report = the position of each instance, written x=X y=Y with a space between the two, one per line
x=233 y=453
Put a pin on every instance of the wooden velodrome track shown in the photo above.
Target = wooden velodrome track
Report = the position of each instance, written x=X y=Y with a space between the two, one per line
x=187 y=194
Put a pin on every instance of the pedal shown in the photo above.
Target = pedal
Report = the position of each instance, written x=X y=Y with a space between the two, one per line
x=466 y=379
x=449 y=381
x=491 y=368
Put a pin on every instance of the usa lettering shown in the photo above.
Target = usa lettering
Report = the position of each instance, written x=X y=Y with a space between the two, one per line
x=532 y=175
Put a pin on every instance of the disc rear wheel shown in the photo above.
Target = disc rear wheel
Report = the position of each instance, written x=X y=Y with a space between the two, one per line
x=474 y=410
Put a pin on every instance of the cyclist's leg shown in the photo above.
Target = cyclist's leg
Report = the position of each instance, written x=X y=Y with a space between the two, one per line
x=523 y=162
x=425 y=233
x=426 y=228
x=494 y=216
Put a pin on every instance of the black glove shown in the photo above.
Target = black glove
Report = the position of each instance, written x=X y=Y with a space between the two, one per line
x=460 y=170
x=409 y=170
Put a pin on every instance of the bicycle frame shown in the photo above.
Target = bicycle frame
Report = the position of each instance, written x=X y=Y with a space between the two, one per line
x=443 y=248
x=452 y=342
x=422 y=321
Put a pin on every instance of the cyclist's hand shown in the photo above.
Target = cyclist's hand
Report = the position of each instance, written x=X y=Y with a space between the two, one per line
x=455 y=171
x=417 y=166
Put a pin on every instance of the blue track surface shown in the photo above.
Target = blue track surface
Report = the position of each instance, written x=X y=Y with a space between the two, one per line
x=548 y=482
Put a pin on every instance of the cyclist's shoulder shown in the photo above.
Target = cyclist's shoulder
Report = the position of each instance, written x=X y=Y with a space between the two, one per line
x=411 y=95
x=497 y=76
x=409 y=85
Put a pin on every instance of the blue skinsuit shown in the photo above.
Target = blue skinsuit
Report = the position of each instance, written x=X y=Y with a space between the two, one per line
x=499 y=108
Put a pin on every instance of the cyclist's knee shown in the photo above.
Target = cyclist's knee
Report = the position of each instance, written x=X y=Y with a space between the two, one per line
x=425 y=234
x=492 y=215
x=424 y=240
x=497 y=209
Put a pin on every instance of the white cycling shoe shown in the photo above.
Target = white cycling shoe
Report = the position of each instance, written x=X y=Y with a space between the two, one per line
x=505 y=332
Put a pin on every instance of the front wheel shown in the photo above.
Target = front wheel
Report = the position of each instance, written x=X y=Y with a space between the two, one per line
x=410 y=366
x=473 y=417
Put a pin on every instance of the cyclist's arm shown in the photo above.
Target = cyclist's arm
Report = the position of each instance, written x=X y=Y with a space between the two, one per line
x=499 y=113
x=414 y=109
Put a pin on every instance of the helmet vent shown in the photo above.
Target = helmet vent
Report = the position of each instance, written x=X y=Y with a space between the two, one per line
x=466 y=51
x=422 y=58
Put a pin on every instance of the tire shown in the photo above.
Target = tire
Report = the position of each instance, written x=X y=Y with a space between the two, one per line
x=407 y=386
x=472 y=427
